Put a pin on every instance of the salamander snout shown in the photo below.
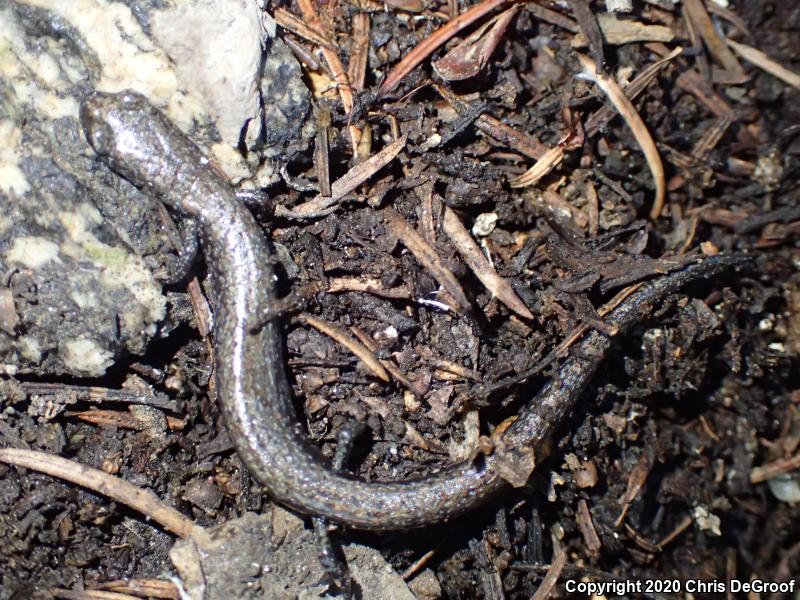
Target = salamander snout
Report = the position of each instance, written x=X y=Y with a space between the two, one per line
x=127 y=133
x=109 y=119
x=96 y=127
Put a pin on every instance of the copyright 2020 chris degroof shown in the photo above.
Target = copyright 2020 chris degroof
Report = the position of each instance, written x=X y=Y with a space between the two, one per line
x=621 y=587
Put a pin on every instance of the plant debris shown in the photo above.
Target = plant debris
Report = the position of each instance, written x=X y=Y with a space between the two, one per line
x=457 y=194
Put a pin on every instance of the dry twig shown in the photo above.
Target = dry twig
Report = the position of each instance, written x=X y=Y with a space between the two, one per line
x=322 y=205
x=476 y=261
x=359 y=51
x=146 y=588
x=553 y=573
x=635 y=482
x=288 y=21
x=422 y=50
x=546 y=163
x=335 y=65
x=368 y=285
x=115 y=488
x=587 y=529
x=775 y=468
x=426 y=256
x=345 y=339
x=634 y=121
x=519 y=141
x=696 y=12
x=764 y=62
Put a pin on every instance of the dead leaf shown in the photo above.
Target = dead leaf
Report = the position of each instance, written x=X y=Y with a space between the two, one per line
x=470 y=56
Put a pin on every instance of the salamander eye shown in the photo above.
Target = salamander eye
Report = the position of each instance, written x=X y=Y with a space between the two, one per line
x=101 y=137
x=98 y=132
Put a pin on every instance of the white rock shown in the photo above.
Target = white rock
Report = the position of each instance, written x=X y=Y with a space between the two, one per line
x=217 y=46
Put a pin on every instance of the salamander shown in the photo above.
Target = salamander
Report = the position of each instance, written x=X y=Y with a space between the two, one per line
x=139 y=143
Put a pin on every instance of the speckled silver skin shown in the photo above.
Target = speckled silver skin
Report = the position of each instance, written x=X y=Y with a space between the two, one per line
x=139 y=143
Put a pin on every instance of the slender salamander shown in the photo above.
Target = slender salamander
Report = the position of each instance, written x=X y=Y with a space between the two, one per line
x=138 y=142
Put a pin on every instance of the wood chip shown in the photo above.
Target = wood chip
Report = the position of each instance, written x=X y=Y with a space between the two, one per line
x=618 y=32
x=8 y=313
x=322 y=152
x=584 y=520
x=585 y=472
x=552 y=16
x=359 y=50
x=635 y=482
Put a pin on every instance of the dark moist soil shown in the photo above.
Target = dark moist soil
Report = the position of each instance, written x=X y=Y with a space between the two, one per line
x=686 y=406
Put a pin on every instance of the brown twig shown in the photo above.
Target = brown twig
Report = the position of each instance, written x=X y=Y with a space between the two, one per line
x=636 y=480
x=546 y=163
x=322 y=165
x=679 y=528
x=477 y=262
x=288 y=21
x=775 y=468
x=115 y=488
x=696 y=12
x=693 y=82
x=344 y=185
x=63 y=594
x=587 y=529
x=519 y=141
x=368 y=285
x=348 y=341
x=122 y=419
x=762 y=61
x=97 y=394
x=553 y=573
x=422 y=50
x=144 y=588
x=415 y=567
x=600 y=117
x=426 y=256
x=590 y=30
x=390 y=366
x=359 y=51
x=335 y=65
x=637 y=126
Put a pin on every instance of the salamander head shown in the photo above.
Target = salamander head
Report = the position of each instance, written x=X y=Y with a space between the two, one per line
x=128 y=133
